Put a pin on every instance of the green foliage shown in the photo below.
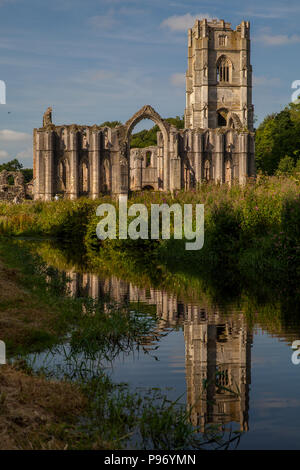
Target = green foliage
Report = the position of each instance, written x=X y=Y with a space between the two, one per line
x=285 y=166
x=28 y=174
x=278 y=136
x=146 y=138
x=13 y=165
x=111 y=124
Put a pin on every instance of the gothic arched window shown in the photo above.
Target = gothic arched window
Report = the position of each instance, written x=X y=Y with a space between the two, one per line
x=222 y=40
x=224 y=70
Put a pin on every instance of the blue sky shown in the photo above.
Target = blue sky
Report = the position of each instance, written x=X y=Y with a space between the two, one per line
x=98 y=60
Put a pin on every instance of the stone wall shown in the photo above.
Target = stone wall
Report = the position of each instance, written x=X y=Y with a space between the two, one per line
x=89 y=161
x=13 y=188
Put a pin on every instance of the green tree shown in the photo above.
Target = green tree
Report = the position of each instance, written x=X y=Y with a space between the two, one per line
x=277 y=136
x=286 y=166
x=111 y=124
x=145 y=138
x=13 y=165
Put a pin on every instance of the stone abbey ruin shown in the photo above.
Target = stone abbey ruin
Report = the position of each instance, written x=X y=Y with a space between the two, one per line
x=217 y=143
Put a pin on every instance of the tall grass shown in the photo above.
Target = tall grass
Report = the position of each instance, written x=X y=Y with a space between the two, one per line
x=251 y=232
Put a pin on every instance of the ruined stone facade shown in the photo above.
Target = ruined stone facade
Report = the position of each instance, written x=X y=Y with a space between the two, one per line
x=13 y=188
x=217 y=143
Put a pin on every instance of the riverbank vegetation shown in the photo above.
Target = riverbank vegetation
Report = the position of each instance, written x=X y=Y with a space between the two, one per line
x=251 y=232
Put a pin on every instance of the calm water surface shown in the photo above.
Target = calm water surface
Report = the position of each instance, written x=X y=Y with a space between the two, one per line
x=194 y=342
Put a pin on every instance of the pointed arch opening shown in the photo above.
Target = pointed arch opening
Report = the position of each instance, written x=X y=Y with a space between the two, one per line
x=147 y=112
x=63 y=185
x=222 y=115
x=224 y=70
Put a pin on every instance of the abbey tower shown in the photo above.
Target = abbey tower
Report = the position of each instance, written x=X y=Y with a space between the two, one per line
x=217 y=144
x=219 y=76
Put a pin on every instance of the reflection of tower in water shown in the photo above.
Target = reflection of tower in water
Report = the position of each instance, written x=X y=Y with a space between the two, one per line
x=218 y=366
x=217 y=346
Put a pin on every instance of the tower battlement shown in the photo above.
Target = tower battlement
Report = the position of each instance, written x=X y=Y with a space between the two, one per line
x=219 y=76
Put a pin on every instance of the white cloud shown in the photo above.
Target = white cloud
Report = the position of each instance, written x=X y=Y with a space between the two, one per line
x=26 y=154
x=7 y=135
x=4 y=155
x=278 y=39
x=265 y=81
x=106 y=21
x=178 y=79
x=183 y=22
x=273 y=12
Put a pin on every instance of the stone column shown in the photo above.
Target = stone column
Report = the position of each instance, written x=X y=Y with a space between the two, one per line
x=95 y=160
x=166 y=159
x=119 y=164
x=160 y=169
x=39 y=166
x=219 y=146
x=74 y=163
x=252 y=155
x=95 y=286
x=175 y=162
x=138 y=168
x=243 y=145
x=198 y=152
x=49 y=169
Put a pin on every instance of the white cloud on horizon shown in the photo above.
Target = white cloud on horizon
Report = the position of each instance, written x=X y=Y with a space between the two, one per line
x=277 y=39
x=7 y=135
x=4 y=155
x=183 y=22
x=106 y=21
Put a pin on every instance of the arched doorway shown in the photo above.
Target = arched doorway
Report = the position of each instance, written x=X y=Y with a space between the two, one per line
x=63 y=176
x=163 y=170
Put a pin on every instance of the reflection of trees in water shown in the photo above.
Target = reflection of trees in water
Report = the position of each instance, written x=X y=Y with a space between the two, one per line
x=217 y=346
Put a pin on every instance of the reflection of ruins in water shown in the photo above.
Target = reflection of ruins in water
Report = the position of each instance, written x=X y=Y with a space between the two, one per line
x=217 y=347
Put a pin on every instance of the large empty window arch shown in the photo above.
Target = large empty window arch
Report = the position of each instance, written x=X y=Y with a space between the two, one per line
x=63 y=175
x=147 y=112
x=224 y=70
x=222 y=117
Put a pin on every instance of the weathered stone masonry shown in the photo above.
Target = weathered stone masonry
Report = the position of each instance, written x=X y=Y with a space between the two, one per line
x=217 y=143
